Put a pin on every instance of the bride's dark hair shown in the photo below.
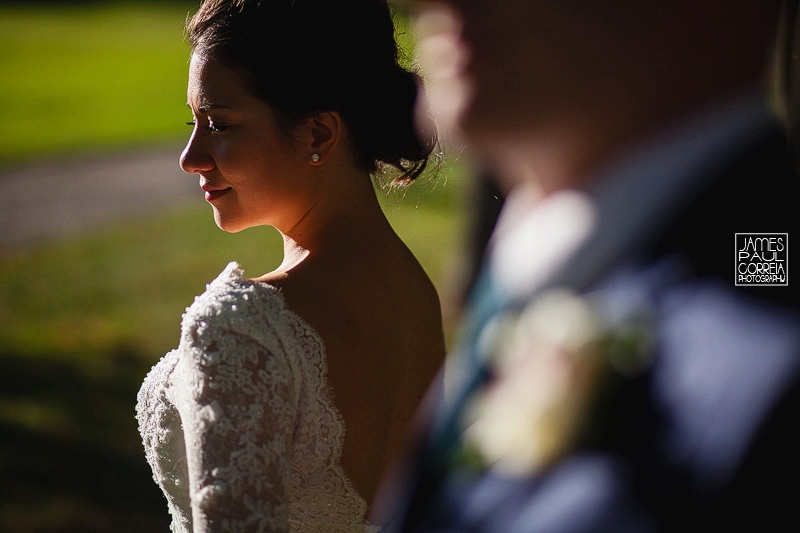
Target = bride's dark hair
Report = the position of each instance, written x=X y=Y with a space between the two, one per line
x=306 y=56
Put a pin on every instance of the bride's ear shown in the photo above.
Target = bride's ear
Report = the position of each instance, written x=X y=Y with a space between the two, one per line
x=323 y=132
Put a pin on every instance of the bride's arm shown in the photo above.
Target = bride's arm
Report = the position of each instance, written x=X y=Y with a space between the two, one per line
x=238 y=415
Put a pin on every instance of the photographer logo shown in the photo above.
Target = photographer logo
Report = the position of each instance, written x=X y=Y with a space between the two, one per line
x=762 y=259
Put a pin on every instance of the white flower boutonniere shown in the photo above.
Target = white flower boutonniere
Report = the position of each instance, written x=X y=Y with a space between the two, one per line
x=548 y=363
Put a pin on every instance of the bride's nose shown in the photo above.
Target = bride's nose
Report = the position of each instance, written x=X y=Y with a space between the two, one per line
x=195 y=157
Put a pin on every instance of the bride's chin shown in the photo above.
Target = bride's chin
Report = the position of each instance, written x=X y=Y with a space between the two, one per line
x=226 y=224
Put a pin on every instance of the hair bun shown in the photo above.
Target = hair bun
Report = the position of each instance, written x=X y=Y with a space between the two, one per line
x=384 y=127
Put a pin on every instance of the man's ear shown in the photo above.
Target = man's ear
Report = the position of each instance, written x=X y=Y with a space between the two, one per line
x=323 y=131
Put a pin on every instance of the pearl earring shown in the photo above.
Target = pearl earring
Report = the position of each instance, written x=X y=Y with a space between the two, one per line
x=315 y=157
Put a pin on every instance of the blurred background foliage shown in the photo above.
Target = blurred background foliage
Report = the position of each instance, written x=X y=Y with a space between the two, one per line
x=82 y=319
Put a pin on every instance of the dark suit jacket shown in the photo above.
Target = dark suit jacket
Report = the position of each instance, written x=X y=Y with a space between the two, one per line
x=706 y=437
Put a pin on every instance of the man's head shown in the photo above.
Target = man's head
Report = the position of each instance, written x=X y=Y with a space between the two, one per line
x=569 y=83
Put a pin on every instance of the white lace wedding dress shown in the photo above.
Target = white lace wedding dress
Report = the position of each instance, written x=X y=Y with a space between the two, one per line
x=237 y=422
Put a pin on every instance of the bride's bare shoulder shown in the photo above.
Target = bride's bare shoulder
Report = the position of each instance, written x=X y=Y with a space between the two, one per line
x=275 y=278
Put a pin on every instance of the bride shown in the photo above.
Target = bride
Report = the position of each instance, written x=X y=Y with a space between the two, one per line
x=295 y=104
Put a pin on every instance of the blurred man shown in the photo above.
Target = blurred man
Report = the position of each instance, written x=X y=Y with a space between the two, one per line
x=631 y=354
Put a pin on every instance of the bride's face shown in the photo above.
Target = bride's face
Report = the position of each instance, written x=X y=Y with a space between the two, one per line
x=250 y=173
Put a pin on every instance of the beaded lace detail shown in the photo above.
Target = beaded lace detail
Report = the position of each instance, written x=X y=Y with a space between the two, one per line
x=237 y=422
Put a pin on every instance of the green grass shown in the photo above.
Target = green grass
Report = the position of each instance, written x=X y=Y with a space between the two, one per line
x=90 y=75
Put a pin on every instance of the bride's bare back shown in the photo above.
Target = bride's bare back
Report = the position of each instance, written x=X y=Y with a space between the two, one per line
x=379 y=316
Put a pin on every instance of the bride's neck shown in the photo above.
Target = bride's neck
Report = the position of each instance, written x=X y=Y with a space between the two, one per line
x=336 y=228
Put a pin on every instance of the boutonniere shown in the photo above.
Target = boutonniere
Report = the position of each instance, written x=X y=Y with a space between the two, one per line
x=548 y=365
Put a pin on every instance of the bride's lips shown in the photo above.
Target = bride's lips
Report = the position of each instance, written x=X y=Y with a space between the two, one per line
x=214 y=194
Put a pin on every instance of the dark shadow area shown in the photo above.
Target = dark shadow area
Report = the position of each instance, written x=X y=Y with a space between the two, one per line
x=81 y=468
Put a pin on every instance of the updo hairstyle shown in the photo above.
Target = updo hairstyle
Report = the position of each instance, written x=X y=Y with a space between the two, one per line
x=307 y=56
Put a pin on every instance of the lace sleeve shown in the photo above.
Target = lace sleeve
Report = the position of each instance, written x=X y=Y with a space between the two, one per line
x=237 y=408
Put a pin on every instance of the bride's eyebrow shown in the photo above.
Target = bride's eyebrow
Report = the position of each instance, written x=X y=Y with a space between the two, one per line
x=205 y=108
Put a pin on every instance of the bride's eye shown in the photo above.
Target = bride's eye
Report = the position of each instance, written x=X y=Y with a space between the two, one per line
x=216 y=128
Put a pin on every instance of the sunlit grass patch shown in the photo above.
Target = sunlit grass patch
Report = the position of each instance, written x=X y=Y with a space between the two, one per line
x=79 y=75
